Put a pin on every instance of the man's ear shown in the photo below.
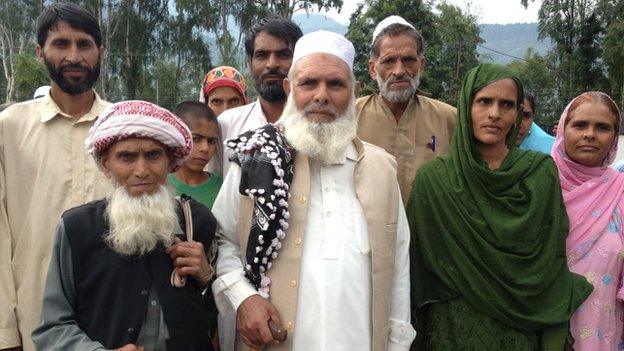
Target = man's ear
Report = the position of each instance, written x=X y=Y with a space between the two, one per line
x=423 y=64
x=104 y=165
x=39 y=52
x=371 y=69
x=356 y=89
x=286 y=86
x=101 y=49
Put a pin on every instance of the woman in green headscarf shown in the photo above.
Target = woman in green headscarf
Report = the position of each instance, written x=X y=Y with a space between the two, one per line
x=488 y=233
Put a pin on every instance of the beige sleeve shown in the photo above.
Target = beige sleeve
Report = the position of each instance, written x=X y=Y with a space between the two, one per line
x=9 y=334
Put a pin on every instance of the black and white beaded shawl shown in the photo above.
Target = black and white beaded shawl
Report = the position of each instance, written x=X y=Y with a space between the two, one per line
x=266 y=162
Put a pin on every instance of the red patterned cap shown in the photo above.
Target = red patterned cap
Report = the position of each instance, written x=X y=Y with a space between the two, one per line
x=136 y=118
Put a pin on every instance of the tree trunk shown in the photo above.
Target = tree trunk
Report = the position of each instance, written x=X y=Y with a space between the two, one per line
x=8 y=63
x=130 y=72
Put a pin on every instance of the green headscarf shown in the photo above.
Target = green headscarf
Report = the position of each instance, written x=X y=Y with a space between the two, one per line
x=494 y=238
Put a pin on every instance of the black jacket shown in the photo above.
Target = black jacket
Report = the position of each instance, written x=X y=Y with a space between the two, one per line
x=112 y=289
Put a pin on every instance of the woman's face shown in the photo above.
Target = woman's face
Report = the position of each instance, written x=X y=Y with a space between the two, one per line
x=589 y=133
x=494 y=109
x=224 y=98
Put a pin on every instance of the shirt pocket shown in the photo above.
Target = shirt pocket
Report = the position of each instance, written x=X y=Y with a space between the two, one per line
x=359 y=238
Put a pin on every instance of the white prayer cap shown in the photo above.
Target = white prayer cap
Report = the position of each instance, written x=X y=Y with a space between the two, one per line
x=324 y=42
x=387 y=22
x=41 y=91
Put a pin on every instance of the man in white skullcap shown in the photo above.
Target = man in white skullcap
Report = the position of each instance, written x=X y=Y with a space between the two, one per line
x=123 y=274
x=313 y=238
x=411 y=126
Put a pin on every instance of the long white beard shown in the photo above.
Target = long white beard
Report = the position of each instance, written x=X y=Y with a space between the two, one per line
x=326 y=142
x=398 y=96
x=138 y=224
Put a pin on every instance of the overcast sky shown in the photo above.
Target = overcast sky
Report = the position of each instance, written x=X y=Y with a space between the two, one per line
x=488 y=11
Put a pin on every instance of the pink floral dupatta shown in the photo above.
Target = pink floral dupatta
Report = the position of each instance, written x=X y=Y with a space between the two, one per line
x=590 y=194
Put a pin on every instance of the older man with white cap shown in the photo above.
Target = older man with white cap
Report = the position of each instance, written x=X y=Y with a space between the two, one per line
x=399 y=118
x=123 y=274
x=312 y=234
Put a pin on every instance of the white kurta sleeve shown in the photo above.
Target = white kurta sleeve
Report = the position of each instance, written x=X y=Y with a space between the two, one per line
x=230 y=288
x=401 y=331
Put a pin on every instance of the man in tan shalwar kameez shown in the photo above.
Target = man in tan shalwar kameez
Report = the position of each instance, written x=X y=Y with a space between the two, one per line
x=44 y=168
x=412 y=127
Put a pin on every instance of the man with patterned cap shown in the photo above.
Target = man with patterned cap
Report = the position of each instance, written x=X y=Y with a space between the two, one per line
x=312 y=233
x=399 y=118
x=123 y=274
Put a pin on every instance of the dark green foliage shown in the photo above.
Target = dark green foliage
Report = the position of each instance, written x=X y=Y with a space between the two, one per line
x=587 y=52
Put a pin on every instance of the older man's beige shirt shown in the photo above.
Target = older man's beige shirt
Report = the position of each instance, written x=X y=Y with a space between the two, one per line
x=421 y=134
x=44 y=170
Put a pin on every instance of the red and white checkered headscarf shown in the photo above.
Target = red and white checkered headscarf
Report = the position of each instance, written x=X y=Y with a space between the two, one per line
x=136 y=118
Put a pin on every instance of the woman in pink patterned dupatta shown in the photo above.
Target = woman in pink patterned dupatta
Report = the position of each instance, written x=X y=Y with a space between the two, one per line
x=593 y=194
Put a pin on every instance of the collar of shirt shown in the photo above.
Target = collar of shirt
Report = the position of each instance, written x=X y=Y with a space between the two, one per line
x=257 y=109
x=48 y=109
x=414 y=102
x=352 y=153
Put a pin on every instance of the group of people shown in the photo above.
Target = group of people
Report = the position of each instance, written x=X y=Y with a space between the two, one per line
x=311 y=218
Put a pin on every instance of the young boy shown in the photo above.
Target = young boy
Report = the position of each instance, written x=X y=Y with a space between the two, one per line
x=191 y=179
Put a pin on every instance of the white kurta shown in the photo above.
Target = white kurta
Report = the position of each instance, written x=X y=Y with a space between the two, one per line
x=334 y=296
x=232 y=123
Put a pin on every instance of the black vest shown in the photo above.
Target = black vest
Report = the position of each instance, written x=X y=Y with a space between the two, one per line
x=112 y=289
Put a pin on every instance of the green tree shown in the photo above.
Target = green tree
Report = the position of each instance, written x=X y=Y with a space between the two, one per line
x=612 y=15
x=29 y=75
x=183 y=45
x=16 y=37
x=141 y=18
x=454 y=53
x=577 y=30
x=537 y=75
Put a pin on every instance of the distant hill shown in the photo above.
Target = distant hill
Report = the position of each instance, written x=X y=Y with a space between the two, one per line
x=512 y=39
x=312 y=22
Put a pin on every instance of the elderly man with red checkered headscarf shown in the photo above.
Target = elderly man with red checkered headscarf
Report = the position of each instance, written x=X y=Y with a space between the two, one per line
x=124 y=273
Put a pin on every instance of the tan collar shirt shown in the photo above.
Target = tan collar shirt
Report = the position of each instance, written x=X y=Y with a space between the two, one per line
x=44 y=170
x=421 y=134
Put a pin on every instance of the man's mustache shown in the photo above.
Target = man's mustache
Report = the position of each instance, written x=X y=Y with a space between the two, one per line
x=318 y=107
x=273 y=73
x=73 y=67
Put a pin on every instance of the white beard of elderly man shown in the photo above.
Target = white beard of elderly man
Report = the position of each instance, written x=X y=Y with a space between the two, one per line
x=138 y=224
x=312 y=233
x=318 y=129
